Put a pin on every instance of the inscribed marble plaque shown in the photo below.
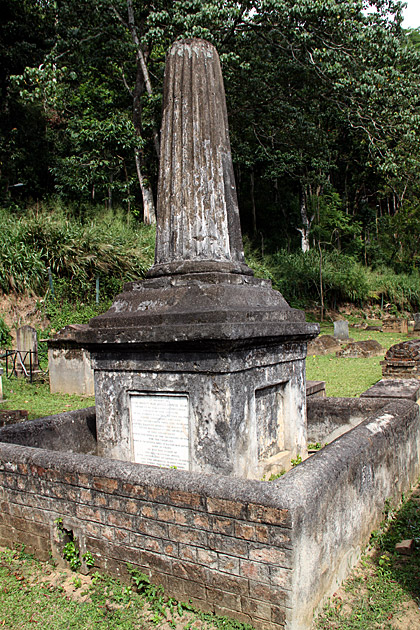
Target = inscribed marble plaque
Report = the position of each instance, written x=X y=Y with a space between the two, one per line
x=160 y=429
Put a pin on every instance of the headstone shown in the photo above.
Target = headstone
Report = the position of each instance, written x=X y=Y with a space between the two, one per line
x=1 y=385
x=416 y=317
x=341 y=329
x=69 y=365
x=27 y=346
x=200 y=366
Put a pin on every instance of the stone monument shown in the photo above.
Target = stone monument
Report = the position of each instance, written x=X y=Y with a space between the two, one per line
x=27 y=346
x=341 y=329
x=201 y=366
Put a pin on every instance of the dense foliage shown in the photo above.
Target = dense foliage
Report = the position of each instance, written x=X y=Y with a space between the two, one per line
x=323 y=112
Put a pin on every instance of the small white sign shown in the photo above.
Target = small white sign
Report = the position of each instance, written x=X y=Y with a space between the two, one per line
x=160 y=429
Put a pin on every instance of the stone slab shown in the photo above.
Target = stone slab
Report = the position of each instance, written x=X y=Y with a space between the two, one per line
x=315 y=388
x=409 y=389
x=160 y=425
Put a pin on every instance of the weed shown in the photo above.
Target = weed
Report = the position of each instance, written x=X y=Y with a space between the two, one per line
x=296 y=461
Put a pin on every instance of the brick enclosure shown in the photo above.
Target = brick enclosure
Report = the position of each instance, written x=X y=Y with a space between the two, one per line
x=232 y=557
x=263 y=552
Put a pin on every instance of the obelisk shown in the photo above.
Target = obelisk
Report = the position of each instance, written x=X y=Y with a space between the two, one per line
x=201 y=365
x=197 y=208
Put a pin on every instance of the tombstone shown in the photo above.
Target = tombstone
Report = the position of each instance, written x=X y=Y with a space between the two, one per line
x=200 y=366
x=392 y=324
x=341 y=329
x=416 y=317
x=27 y=346
x=1 y=385
x=69 y=364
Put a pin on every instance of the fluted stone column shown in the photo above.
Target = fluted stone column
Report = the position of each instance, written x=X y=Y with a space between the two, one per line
x=197 y=209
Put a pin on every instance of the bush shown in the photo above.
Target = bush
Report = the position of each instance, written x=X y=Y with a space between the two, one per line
x=77 y=252
x=5 y=337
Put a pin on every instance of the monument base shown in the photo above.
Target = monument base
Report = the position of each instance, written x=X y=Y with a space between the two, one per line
x=229 y=411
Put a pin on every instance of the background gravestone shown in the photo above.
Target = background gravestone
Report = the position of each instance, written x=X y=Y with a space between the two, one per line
x=341 y=329
x=26 y=341
x=416 y=317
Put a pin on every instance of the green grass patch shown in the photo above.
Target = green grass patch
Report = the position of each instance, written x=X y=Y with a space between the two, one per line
x=36 y=593
x=349 y=377
x=37 y=399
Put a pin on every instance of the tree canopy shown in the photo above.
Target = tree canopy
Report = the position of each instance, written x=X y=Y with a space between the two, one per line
x=322 y=99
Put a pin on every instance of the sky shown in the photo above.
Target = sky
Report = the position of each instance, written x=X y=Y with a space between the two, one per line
x=412 y=14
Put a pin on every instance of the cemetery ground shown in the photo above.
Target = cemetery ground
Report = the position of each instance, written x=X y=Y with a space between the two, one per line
x=383 y=592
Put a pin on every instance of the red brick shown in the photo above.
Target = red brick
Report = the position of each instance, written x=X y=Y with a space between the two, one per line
x=225 y=507
x=133 y=490
x=189 y=571
x=221 y=598
x=22 y=468
x=280 y=576
x=165 y=513
x=83 y=480
x=230 y=583
x=259 y=533
x=228 y=545
x=201 y=604
x=185 y=499
x=274 y=516
x=279 y=536
x=201 y=521
x=103 y=484
x=119 y=519
x=267 y=625
x=271 y=555
x=229 y=564
x=87 y=513
x=170 y=549
x=148 y=510
x=255 y=571
x=268 y=593
x=256 y=608
x=99 y=531
x=156 y=561
x=209 y=558
x=223 y=525
x=187 y=535
x=187 y=552
x=185 y=589
x=151 y=527
x=99 y=499
x=278 y=615
x=85 y=495
x=158 y=494
x=121 y=535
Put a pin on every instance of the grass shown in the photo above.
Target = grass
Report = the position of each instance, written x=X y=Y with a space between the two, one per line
x=33 y=592
x=350 y=377
x=37 y=399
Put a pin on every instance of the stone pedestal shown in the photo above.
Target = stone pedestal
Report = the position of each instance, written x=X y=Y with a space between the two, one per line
x=201 y=366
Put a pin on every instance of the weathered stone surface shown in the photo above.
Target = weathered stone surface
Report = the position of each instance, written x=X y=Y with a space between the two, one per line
x=393 y=324
x=341 y=329
x=408 y=389
x=69 y=364
x=27 y=344
x=366 y=348
x=197 y=212
x=323 y=345
x=416 y=317
x=201 y=326
x=11 y=416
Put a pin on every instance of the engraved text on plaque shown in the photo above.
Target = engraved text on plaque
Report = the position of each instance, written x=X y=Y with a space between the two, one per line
x=160 y=429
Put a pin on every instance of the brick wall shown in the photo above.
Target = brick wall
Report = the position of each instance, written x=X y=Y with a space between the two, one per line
x=265 y=553
x=232 y=557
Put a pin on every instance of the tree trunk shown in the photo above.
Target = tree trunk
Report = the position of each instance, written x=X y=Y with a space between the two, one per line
x=149 y=214
x=254 y=211
x=306 y=222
